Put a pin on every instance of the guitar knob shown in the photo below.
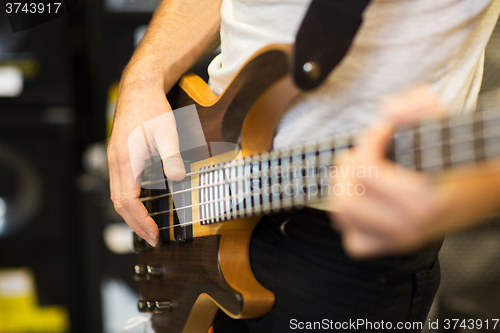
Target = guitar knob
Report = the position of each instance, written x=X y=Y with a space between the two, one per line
x=154 y=270
x=142 y=272
x=154 y=306
x=141 y=305
x=139 y=272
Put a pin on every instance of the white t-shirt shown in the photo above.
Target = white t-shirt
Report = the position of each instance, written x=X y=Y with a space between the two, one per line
x=400 y=43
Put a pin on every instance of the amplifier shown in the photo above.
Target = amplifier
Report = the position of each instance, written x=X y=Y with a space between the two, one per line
x=38 y=223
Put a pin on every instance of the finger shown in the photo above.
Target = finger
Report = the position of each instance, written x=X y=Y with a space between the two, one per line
x=372 y=145
x=416 y=103
x=367 y=232
x=363 y=245
x=115 y=198
x=161 y=133
x=131 y=208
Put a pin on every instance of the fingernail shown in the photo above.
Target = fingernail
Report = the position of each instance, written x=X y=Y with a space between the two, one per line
x=151 y=242
x=151 y=235
x=177 y=169
x=176 y=173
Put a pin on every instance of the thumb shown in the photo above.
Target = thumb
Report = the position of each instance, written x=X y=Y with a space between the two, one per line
x=161 y=131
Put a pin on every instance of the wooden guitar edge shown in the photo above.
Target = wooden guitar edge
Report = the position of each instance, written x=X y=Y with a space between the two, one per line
x=234 y=260
x=202 y=315
x=202 y=94
x=234 y=247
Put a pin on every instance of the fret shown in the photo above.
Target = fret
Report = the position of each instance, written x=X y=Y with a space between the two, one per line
x=211 y=196
x=325 y=162
x=275 y=182
x=310 y=177
x=479 y=143
x=248 y=187
x=232 y=183
x=217 y=195
x=240 y=210
x=298 y=180
x=325 y=153
x=417 y=153
x=431 y=148
x=256 y=185
x=436 y=164
x=208 y=198
x=227 y=191
x=234 y=202
x=462 y=150
x=445 y=135
x=492 y=146
x=403 y=148
x=286 y=180
x=202 y=197
x=222 y=208
x=341 y=142
x=265 y=181
x=491 y=131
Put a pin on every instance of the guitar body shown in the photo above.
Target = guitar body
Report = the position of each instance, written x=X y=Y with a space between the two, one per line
x=212 y=270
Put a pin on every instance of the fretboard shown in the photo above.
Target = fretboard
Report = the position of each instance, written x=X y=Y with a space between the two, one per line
x=269 y=182
x=302 y=175
x=437 y=145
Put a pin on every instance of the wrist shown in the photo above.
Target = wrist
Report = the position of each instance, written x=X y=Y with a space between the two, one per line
x=142 y=76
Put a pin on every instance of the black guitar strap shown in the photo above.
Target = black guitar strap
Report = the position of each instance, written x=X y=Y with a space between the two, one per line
x=324 y=37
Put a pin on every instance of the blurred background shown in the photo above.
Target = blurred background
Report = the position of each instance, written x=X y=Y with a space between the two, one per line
x=66 y=257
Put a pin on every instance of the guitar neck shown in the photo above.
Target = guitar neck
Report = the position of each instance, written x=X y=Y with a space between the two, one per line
x=303 y=174
x=437 y=145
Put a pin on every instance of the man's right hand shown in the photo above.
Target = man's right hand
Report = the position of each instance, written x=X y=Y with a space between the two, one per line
x=144 y=126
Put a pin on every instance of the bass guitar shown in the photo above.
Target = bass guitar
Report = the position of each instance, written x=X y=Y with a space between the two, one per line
x=206 y=221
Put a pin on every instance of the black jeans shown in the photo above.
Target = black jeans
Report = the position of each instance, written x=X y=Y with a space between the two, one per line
x=299 y=257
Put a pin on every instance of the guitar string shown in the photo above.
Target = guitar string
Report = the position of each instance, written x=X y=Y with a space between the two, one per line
x=350 y=136
x=226 y=198
x=244 y=195
x=451 y=141
x=229 y=181
x=221 y=217
x=231 y=197
x=242 y=161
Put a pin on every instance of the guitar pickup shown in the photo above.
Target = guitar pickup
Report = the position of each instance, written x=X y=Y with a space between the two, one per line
x=154 y=306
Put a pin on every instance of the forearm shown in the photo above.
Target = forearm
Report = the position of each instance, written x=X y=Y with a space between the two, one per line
x=470 y=194
x=180 y=31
